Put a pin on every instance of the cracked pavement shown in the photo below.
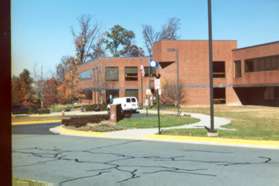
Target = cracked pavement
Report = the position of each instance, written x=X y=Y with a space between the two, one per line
x=66 y=160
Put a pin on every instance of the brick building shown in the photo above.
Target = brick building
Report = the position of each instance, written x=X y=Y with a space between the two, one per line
x=241 y=75
x=112 y=76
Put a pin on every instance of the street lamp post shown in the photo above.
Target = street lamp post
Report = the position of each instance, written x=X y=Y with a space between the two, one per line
x=177 y=78
x=211 y=129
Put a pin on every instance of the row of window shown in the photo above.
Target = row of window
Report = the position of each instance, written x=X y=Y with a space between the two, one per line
x=251 y=65
x=262 y=64
x=112 y=73
x=257 y=64
x=131 y=73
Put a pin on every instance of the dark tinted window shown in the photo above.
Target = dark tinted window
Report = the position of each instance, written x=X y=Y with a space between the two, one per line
x=237 y=68
x=219 y=69
x=262 y=64
x=131 y=73
x=111 y=73
x=149 y=71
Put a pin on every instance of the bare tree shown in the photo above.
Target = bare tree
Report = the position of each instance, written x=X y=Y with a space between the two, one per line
x=169 y=31
x=169 y=92
x=150 y=37
x=85 y=39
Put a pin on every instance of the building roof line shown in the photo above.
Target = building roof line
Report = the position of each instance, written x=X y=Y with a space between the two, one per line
x=191 y=40
x=258 y=45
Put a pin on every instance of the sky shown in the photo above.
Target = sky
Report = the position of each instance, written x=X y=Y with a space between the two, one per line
x=41 y=29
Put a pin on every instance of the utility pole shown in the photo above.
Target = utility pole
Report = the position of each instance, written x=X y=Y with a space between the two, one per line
x=141 y=83
x=42 y=87
x=210 y=60
x=158 y=111
x=157 y=87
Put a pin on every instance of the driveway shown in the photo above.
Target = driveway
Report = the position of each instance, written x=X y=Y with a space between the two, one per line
x=34 y=129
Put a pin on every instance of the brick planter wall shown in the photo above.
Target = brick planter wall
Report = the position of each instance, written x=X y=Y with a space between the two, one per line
x=78 y=121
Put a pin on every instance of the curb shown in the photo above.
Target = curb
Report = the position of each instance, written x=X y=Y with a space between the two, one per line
x=177 y=139
x=266 y=144
x=71 y=132
x=36 y=122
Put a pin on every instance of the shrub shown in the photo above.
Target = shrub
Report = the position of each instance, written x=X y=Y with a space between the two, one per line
x=43 y=111
x=88 y=107
x=68 y=109
x=20 y=110
x=104 y=127
x=94 y=107
x=24 y=109
x=57 y=108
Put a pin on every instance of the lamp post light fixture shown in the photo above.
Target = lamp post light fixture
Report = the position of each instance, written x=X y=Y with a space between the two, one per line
x=177 y=77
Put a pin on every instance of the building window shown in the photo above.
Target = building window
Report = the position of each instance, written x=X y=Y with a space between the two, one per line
x=111 y=73
x=85 y=75
x=262 y=64
x=131 y=93
x=219 y=69
x=219 y=95
x=131 y=73
x=249 y=66
x=149 y=71
x=237 y=69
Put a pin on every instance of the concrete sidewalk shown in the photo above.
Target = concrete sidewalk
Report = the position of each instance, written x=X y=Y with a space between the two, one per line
x=140 y=133
x=152 y=134
x=148 y=135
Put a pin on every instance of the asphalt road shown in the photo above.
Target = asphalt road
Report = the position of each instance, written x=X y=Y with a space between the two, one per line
x=34 y=129
x=65 y=160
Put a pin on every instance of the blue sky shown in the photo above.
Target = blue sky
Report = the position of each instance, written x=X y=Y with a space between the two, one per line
x=41 y=28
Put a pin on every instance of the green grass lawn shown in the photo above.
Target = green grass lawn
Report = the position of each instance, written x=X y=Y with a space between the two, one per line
x=250 y=122
x=150 y=121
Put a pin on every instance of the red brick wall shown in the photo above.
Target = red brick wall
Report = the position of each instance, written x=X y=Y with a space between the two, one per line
x=193 y=66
